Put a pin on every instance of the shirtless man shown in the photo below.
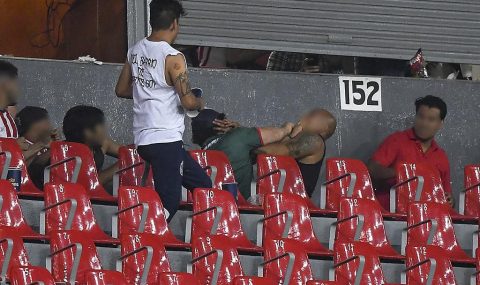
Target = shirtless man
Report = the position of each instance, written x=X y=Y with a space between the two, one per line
x=305 y=141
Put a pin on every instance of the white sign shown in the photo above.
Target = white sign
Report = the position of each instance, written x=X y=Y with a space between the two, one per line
x=361 y=93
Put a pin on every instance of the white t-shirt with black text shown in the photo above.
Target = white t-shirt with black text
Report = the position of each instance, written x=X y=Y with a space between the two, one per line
x=158 y=114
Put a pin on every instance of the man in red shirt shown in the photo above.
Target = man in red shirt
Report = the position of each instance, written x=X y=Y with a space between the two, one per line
x=416 y=144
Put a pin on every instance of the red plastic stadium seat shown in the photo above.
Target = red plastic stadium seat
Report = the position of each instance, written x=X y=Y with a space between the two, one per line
x=174 y=278
x=469 y=202
x=220 y=170
x=73 y=255
x=348 y=258
x=415 y=182
x=12 y=221
x=429 y=223
x=428 y=265
x=215 y=213
x=65 y=156
x=287 y=216
x=281 y=174
x=17 y=257
x=361 y=220
x=284 y=258
x=67 y=207
x=137 y=202
x=318 y=282
x=254 y=281
x=346 y=178
x=215 y=261
x=17 y=161
x=28 y=275
x=128 y=157
x=144 y=259
x=105 y=277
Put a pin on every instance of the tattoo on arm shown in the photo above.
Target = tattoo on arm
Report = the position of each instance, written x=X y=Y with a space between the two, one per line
x=183 y=84
x=304 y=145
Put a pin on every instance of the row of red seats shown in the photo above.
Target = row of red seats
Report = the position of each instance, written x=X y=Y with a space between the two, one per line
x=345 y=178
x=74 y=259
x=216 y=214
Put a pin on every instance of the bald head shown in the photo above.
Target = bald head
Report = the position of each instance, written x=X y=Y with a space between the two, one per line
x=319 y=121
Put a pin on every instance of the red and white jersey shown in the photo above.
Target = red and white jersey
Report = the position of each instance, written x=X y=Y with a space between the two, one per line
x=8 y=129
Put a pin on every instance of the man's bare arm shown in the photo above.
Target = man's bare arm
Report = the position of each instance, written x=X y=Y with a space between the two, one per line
x=177 y=70
x=124 y=83
x=105 y=176
x=273 y=134
x=302 y=146
x=380 y=172
x=111 y=147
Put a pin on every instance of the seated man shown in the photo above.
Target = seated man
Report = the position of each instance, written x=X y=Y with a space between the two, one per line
x=35 y=127
x=9 y=92
x=304 y=141
x=415 y=144
x=86 y=125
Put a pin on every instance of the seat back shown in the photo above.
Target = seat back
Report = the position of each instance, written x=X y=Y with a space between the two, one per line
x=133 y=266
x=293 y=182
x=300 y=269
x=432 y=190
x=30 y=275
x=11 y=215
x=208 y=158
x=443 y=273
x=63 y=262
x=18 y=256
x=301 y=228
x=128 y=156
x=216 y=163
x=104 y=277
x=57 y=217
x=204 y=269
x=472 y=196
x=347 y=273
x=229 y=224
x=177 y=278
x=17 y=162
x=129 y=221
x=373 y=228
x=247 y=280
x=336 y=167
x=88 y=175
x=443 y=236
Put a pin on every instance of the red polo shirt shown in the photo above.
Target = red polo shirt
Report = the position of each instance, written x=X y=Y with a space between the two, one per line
x=404 y=146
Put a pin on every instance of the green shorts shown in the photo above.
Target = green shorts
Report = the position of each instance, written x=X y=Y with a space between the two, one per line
x=238 y=145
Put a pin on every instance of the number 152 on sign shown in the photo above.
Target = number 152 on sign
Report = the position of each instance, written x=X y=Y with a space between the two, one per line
x=361 y=93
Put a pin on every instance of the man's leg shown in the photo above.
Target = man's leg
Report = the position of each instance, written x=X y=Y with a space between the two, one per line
x=166 y=160
x=193 y=174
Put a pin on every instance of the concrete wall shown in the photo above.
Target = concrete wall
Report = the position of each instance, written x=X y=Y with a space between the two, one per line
x=259 y=98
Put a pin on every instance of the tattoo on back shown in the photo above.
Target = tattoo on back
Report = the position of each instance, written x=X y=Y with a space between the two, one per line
x=183 y=84
x=303 y=145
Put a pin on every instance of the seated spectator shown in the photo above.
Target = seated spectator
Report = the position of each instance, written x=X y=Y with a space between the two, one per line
x=304 y=141
x=86 y=125
x=415 y=144
x=9 y=92
x=35 y=127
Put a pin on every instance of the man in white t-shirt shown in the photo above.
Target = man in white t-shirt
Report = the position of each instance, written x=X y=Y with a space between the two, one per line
x=155 y=76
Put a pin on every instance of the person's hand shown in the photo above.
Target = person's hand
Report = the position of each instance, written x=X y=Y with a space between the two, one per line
x=223 y=126
x=450 y=199
x=296 y=130
x=22 y=142
x=288 y=128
